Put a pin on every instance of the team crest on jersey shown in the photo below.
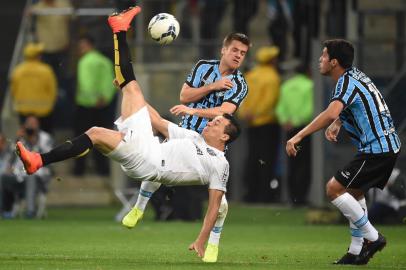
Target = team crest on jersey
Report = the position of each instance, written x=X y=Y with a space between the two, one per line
x=220 y=93
x=211 y=152
x=199 y=151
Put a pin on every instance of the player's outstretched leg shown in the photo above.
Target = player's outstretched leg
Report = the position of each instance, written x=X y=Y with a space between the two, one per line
x=212 y=249
x=146 y=190
x=33 y=161
x=133 y=99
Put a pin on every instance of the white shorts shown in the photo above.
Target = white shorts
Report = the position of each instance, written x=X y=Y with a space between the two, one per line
x=139 y=152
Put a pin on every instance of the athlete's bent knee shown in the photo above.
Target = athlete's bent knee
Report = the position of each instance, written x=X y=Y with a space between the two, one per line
x=334 y=189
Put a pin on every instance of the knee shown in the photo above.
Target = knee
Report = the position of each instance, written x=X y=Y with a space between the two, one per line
x=223 y=209
x=334 y=189
x=94 y=134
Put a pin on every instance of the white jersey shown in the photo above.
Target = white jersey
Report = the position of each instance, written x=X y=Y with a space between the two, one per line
x=185 y=159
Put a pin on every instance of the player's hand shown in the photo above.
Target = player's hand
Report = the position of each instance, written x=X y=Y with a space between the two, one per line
x=223 y=83
x=292 y=146
x=332 y=132
x=198 y=248
x=181 y=110
x=116 y=84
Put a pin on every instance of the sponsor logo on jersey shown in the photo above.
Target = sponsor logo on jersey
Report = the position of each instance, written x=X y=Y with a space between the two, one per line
x=224 y=177
x=211 y=152
x=198 y=151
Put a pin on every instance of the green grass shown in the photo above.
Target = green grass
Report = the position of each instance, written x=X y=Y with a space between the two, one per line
x=253 y=238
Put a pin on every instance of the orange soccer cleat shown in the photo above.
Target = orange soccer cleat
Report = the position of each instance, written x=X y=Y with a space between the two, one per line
x=121 y=21
x=32 y=161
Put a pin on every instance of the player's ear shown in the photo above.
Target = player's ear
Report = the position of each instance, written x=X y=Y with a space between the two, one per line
x=223 y=50
x=334 y=62
x=225 y=137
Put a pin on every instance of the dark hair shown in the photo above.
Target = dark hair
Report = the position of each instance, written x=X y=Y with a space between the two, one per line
x=340 y=49
x=233 y=129
x=87 y=38
x=236 y=36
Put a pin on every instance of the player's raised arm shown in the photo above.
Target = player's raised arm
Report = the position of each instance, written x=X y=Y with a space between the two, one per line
x=190 y=94
x=209 y=221
x=157 y=122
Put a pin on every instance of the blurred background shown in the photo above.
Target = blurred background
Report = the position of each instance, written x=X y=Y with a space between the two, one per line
x=68 y=29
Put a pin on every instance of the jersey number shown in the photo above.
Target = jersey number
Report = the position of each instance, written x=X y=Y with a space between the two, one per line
x=381 y=103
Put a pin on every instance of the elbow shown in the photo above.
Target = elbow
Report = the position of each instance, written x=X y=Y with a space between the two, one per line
x=183 y=99
x=331 y=116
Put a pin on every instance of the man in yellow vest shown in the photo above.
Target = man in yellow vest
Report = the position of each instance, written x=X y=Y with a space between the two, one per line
x=258 y=112
x=34 y=87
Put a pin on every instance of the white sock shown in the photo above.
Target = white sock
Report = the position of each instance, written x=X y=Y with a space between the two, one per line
x=215 y=233
x=146 y=190
x=356 y=234
x=353 y=211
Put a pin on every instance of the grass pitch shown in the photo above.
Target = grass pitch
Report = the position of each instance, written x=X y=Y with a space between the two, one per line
x=253 y=238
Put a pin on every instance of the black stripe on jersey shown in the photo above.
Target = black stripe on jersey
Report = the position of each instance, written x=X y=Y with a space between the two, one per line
x=344 y=87
x=198 y=122
x=351 y=97
x=201 y=62
x=352 y=135
x=239 y=91
x=369 y=115
x=351 y=121
x=209 y=71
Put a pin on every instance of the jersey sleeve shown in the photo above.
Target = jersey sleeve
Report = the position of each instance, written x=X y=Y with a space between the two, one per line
x=195 y=75
x=343 y=91
x=239 y=91
x=176 y=132
x=219 y=179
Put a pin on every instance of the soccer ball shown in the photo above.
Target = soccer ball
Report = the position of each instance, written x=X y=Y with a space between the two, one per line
x=163 y=28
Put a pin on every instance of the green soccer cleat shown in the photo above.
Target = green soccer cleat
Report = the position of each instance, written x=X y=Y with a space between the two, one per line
x=211 y=253
x=131 y=219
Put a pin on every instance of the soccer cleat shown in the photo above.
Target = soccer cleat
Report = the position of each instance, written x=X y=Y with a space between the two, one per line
x=371 y=247
x=121 y=21
x=211 y=253
x=351 y=259
x=32 y=161
x=131 y=219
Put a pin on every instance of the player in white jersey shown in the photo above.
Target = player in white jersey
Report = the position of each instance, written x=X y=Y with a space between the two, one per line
x=186 y=158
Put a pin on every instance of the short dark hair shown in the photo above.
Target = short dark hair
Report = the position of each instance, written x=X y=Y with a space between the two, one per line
x=88 y=38
x=342 y=50
x=232 y=129
x=236 y=36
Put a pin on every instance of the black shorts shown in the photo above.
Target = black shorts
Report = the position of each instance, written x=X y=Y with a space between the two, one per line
x=367 y=170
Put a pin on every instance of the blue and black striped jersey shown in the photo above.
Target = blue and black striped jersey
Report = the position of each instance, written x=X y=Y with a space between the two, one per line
x=365 y=116
x=207 y=72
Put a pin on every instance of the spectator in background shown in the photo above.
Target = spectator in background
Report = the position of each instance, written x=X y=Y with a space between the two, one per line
x=244 y=11
x=34 y=87
x=294 y=112
x=35 y=185
x=389 y=204
x=281 y=24
x=95 y=99
x=258 y=112
x=53 y=31
x=5 y=153
x=10 y=187
x=16 y=185
x=211 y=14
